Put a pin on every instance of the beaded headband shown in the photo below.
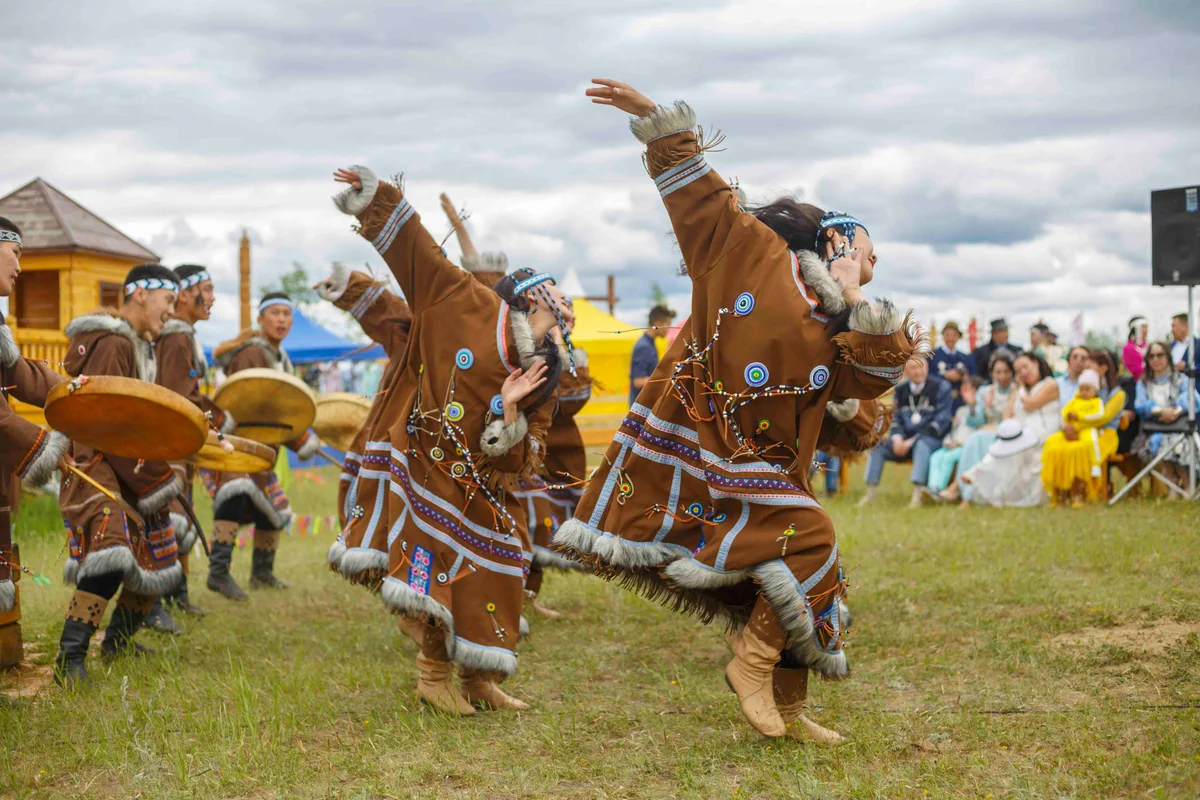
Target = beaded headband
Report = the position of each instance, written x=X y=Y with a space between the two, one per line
x=150 y=284
x=274 y=301
x=530 y=282
x=192 y=280
x=847 y=223
x=10 y=236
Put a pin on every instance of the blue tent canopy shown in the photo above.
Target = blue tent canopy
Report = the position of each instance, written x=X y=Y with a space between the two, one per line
x=308 y=342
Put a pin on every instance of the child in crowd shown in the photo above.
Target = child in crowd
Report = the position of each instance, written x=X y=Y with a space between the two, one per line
x=969 y=416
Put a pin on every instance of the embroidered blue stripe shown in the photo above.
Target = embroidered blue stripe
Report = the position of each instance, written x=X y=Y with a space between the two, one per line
x=727 y=542
x=366 y=301
x=606 y=492
x=400 y=215
x=672 y=504
x=693 y=169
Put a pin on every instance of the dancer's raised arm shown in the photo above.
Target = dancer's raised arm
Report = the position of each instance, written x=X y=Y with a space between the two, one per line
x=393 y=226
x=383 y=316
x=460 y=228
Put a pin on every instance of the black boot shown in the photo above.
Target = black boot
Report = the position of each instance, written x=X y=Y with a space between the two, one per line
x=159 y=620
x=118 y=636
x=262 y=571
x=179 y=599
x=219 y=579
x=69 y=667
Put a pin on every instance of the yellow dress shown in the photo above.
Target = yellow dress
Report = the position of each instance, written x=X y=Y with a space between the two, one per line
x=1064 y=462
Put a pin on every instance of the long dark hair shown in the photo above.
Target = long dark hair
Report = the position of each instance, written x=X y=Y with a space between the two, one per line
x=795 y=222
x=1110 y=366
x=547 y=349
x=1044 y=370
x=1147 y=373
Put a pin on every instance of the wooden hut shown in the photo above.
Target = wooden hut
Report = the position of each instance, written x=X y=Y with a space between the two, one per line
x=72 y=262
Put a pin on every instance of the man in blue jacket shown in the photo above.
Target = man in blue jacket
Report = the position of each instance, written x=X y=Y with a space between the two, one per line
x=950 y=364
x=921 y=419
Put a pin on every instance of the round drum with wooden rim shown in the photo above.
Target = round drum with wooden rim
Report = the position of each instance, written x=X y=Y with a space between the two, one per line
x=240 y=455
x=269 y=406
x=340 y=416
x=126 y=417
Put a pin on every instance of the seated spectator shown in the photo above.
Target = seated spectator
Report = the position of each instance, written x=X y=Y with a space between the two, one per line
x=1036 y=404
x=1133 y=355
x=922 y=416
x=1162 y=396
x=999 y=342
x=1076 y=363
x=645 y=352
x=967 y=419
x=830 y=465
x=1128 y=428
x=1073 y=458
x=1009 y=473
x=950 y=364
x=994 y=399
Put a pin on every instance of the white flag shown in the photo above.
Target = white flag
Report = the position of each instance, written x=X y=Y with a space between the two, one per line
x=1078 y=336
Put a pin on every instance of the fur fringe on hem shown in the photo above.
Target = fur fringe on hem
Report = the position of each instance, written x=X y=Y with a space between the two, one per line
x=354 y=201
x=245 y=486
x=334 y=557
x=356 y=561
x=546 y=558
x=41 y=469
x=524 y=628
x=153 y=583
x=157 y=499
x=779 y=586
x=400 y=599
x=8 y=595
x=663 y=121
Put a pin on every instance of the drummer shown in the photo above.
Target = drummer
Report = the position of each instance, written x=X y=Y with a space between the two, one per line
x=387 y=319
x=258 y=499
x=181 y=366
x=26 y=450
x=127 y=542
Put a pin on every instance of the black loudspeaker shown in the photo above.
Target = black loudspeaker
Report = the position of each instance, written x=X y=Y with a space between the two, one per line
x=1175 y=236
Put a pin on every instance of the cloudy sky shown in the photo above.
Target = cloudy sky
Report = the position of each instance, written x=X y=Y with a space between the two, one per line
x=1002 y=153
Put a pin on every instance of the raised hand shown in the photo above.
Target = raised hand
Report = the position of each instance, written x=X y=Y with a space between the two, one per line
x=608 y=92
x=348 y=176
x=520 y=384
x=450 y=211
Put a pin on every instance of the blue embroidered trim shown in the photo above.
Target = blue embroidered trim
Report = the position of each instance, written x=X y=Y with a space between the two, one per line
x=274 y=301
x=194 y=280
x=530 y=282
x=10 y=236
x=151 y=284
x=681 y=175
x=401 y=214
x=366 y=301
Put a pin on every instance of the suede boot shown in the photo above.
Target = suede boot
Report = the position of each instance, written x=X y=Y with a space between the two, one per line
x=791 y=691
x=435 y=678
x=413 y=629
x=750 y=673
x=83 y=618
x=481 y=691
x=219 y=560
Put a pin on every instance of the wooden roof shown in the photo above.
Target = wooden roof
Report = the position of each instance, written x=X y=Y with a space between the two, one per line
x=51 y=221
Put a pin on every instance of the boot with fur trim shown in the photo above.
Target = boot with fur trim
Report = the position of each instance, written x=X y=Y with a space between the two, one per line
x=750 y=673
x=791 y=692
x=482 y=692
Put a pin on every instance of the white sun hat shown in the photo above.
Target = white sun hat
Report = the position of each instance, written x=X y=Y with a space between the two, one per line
x=1012 y=438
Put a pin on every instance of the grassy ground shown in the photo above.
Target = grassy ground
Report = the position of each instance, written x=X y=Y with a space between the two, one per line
x=1037 y=653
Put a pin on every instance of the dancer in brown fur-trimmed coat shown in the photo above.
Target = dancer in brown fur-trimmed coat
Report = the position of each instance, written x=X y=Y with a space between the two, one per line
x=258 y=499
x=464 y=419
x=704 y=497
x=127 y=543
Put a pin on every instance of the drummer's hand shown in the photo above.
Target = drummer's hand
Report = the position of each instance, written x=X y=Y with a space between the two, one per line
x=518 y=386
x=348 y=176
x=614 y=93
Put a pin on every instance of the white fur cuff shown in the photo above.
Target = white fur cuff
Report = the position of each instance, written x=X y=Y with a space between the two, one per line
x=843 y=411
x=333 y=288
x=157 y=499
x=880 y=318
x=486 y=262
x=309 y=448
x=499 y=438
x=663 y=121
x=41 y=469
x=355 y=201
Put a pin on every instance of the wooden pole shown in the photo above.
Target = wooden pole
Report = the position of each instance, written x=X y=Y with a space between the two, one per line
x=244 y=280
x=610 y=298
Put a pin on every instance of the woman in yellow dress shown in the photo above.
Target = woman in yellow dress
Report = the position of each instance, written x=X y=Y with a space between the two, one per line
x=1073 y=459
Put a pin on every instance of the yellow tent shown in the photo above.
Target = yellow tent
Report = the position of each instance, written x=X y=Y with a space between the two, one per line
x=609 y=345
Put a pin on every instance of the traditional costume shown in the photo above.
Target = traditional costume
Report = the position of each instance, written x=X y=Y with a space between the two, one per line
x=258 y=499
x=181 y=366
x=703 y=499
x=127 y=542
x=439 y=460
x=387 y=319
x=27 y=451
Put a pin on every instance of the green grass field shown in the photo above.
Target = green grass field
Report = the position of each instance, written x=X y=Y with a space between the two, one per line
x=1039 y=653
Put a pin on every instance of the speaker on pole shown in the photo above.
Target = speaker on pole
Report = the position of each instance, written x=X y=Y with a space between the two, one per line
x=1175 y=232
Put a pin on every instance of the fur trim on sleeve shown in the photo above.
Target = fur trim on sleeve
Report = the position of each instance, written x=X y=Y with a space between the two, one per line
x=486 y=262
x=843 y=411
x=337 y=282
x=816 y=275
x=499 y=438
x=158 y=499
x=523 y=338
x=309 y=448
x=663 y=121
x=9 y=352
x=880 y=318
x=355 y=201
x=230 y=424
x=42 y=467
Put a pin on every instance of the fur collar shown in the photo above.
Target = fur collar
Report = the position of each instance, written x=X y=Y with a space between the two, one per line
x=186 y=328
x=9 y=352
x=523 y=338
x=107 y=320
x=224 y=353
x=815 y=274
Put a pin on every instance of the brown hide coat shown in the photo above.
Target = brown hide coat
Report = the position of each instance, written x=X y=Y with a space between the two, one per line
x=104 y=536
x=704 y=497
x=443 y=459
